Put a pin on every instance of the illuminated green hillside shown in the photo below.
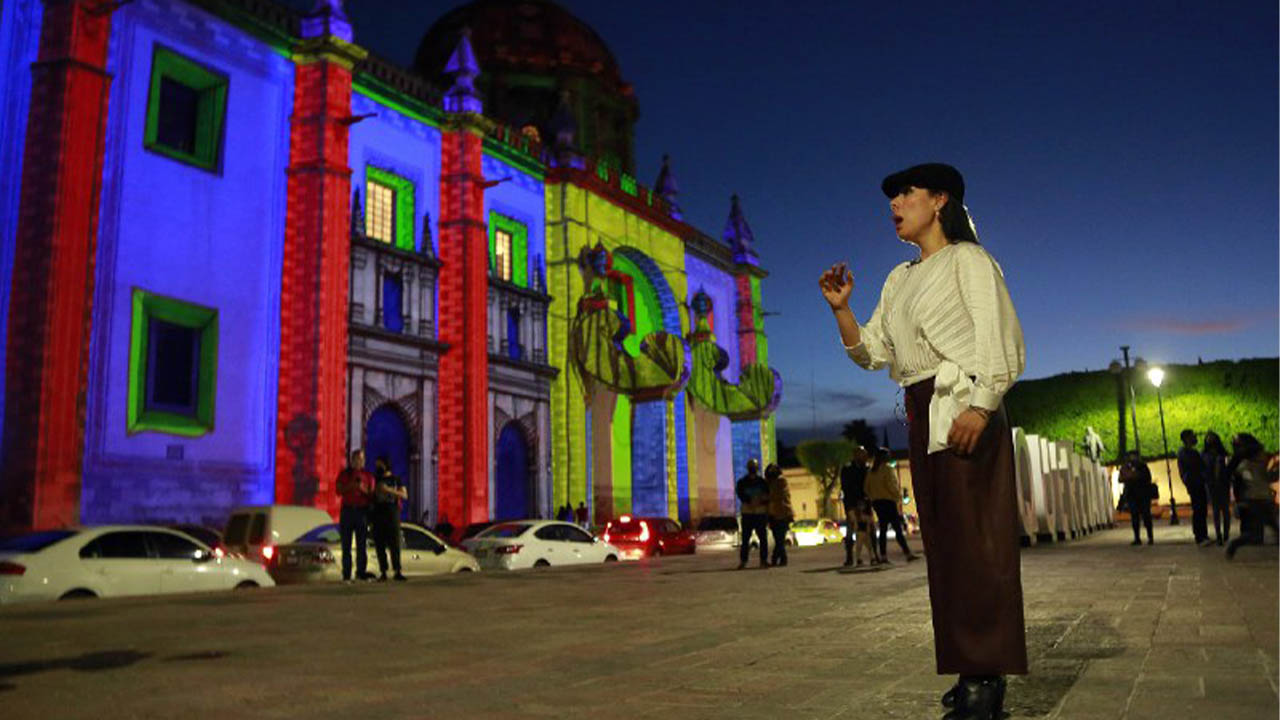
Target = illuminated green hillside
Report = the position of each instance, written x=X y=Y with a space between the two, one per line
x=1225 y=396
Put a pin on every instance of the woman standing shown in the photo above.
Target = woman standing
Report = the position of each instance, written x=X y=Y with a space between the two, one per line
x=781 y=513
x=1219 y=482
x=946 y=329
x=886 y=499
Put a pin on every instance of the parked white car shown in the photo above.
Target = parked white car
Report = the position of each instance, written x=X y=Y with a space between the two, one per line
x=718 y=532
x=317 y=556
x=254 y=532
x=537 y=543
x=116 y=561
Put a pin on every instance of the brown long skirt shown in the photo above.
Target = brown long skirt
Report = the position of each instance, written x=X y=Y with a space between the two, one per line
x=968 y=512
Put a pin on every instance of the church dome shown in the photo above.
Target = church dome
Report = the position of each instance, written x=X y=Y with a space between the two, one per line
x=530 y=52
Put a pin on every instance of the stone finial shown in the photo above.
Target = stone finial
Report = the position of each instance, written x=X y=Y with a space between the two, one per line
x=667 y=187
x=357 y=215
x=564 y=126
x=327 y=18
x=738 y=234
x=462 y=96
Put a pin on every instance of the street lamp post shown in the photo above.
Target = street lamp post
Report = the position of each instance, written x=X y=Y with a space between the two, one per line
x=1156 y=376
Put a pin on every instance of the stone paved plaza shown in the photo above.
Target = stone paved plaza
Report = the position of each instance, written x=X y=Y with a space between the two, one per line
x=1169 y=631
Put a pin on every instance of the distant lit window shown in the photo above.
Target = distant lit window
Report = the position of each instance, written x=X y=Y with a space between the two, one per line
x=509 y=249
x=172 y=366
x=502 y=254
x=186 y=110
x=389 y=214
x=380 y=217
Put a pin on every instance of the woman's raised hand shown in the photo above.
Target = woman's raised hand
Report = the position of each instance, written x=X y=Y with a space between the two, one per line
x=837 y=285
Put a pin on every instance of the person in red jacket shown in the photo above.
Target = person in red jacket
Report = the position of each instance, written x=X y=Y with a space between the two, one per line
x=355 y=487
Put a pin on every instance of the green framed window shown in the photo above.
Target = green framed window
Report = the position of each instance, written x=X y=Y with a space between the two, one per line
x=389 y=207
x=186 y=110
x=509 y=249
x=173 y=366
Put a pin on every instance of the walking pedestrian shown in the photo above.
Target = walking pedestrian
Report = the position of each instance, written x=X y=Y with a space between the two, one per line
x=1252 y=489
x=853 y=483
x=565 y=513
x=886 y=500
x=1139 y=490
x=753 y=492
x=1191 y=469
x=355 y=488
x=1218 y=481
x=388 y=493
x=947 y=330
x=580 y=515
x=781 y=514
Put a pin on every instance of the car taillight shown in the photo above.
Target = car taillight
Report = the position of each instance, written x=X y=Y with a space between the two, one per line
x=507 y=549
x=219 y=553
x=644 y=531
x=268 y=552
x=605 y=537
x=624 y=519
x=326 y=557
x=12 y=568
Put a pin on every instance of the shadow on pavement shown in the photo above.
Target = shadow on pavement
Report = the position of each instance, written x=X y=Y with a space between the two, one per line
x=89 y=662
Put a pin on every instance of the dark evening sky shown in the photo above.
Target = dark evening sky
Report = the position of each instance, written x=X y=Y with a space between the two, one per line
x=1120 y=158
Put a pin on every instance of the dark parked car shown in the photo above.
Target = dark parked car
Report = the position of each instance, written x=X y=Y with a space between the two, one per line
x=639 y=537
x=206 y=535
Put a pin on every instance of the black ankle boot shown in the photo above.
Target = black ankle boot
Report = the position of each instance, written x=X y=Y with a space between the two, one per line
x=979 y=698
x=848 y=552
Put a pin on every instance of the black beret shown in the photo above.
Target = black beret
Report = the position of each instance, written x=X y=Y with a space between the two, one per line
x=930 y=176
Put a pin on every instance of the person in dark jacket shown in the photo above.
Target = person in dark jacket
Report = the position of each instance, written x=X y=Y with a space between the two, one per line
x=355 y=487
x=853 y=490
x=781 y=514
x=753 y=493
x=1218 y=482
x=388 y=492
x=1252 y=488
x=1139 y=490
x=1192 y=471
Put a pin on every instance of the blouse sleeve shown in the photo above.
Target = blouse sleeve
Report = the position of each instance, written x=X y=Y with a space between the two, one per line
x=1000 y=353
x=874 y=351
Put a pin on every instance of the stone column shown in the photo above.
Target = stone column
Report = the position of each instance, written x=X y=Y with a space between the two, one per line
x=50 y=305
x=311 y=439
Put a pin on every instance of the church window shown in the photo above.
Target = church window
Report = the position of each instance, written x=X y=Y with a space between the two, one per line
x=186 y=110
x=508 y=249
x=502 y=254
x=172 y=366
x=389 y=215
x=393 y=302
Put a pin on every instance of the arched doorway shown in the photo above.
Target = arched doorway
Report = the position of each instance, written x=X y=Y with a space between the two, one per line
x=513 y=484
x=387 y=434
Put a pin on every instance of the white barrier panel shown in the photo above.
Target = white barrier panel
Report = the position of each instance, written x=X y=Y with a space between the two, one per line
x=1070 y=513
x=1052 y=527
x=1024 y=472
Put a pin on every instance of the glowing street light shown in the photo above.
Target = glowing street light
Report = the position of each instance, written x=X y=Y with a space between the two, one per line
x=1156 y=376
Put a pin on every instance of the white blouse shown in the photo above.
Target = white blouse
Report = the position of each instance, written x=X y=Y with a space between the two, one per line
x=949 y=317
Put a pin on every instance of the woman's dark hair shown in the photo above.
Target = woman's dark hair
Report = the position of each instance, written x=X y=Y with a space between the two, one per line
x=1213 y=442
x=955 y=222
x=882 y=454
x=1188 y=433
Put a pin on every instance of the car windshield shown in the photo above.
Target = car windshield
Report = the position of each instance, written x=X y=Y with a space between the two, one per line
x=718 y=523
x=630 y=526
x=805 y=524
x=34 y=542
x=505 y=530
x=323 y=534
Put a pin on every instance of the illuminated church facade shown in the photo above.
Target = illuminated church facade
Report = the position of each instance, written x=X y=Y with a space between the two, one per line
x=234 y=245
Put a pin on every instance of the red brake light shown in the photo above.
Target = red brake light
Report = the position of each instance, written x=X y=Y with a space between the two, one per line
x=219 y=553
x=268 y=552
x=507 y=549
x=605 y=537
x=624 y=519
x=644 y=531
x=12 y=568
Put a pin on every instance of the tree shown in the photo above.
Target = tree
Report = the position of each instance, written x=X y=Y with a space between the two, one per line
x=859 y=433
x=824 y=459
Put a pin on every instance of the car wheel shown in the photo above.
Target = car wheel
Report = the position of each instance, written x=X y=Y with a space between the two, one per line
x=464 y=568
x=247 y=585
x=542 y=564
x=610 y=558
x=79 y=595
